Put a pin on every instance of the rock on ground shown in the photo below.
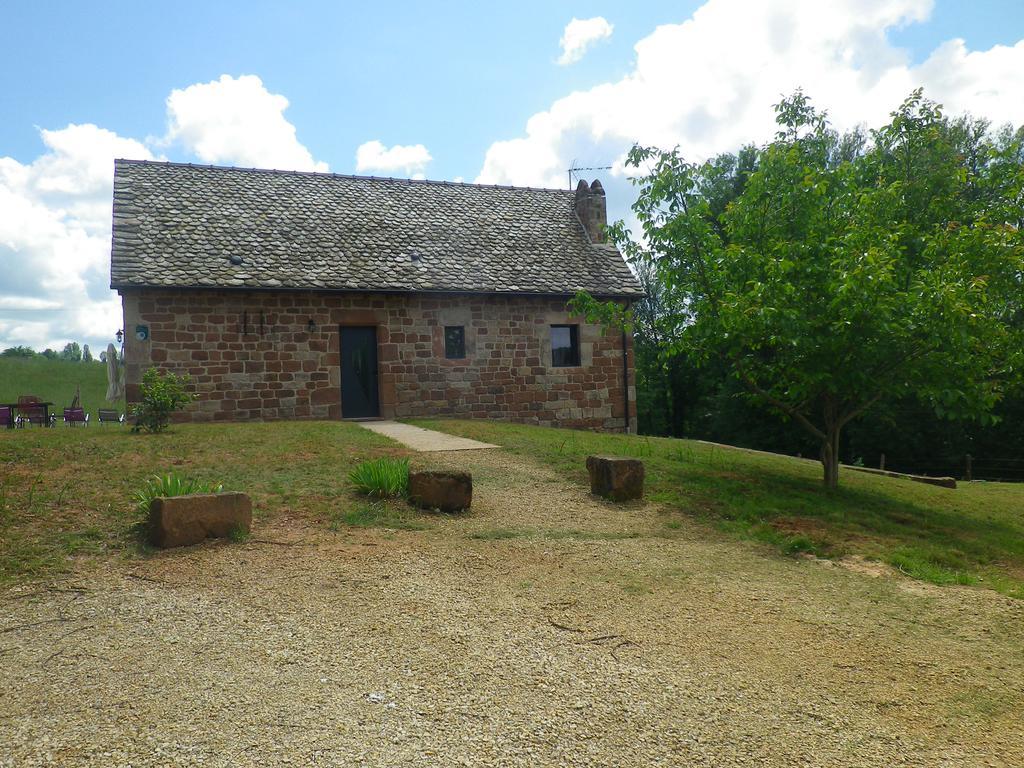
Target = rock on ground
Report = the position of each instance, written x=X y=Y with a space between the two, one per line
x=180 y=521
x=616 y=478
x=447 y=491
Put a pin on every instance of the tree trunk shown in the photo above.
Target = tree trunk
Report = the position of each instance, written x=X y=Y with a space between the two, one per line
x=830 y=461
x=830 y=447
x=669 y=401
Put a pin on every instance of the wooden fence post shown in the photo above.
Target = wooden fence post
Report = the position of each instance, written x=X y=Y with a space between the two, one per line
x=881 y=462
x=968 y=473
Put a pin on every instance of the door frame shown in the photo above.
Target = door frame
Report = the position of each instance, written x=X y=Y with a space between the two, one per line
x=341 y=379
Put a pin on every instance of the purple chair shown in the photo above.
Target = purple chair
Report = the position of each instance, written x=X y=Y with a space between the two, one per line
x=32 y=410
x=76 y=417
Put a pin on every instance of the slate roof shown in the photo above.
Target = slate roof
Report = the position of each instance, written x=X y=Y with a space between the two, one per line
x=179 y=225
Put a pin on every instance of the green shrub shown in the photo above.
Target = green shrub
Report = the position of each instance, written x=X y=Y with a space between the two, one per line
x=795 y=545
x=171 y=484
x=162 y=395
x=381 y=477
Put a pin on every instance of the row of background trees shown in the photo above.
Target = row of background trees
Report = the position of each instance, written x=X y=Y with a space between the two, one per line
x=71 y=352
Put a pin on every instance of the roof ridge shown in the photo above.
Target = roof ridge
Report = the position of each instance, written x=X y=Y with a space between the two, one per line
x=325 y=174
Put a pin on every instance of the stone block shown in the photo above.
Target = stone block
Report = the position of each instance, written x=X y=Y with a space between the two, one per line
x=324 y=396
x=180 y=521
x=446 y=491
x=616 y=478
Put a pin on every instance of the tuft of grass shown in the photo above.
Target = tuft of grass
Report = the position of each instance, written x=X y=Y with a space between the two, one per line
x=795 y=545
x=378 y=514
x=171 y=484
x=383 y=478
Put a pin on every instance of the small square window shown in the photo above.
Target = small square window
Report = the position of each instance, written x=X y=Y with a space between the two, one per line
x=565 y=345
x=454 y=342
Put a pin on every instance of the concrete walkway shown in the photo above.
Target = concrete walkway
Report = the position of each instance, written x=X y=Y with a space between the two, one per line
x=420 y=439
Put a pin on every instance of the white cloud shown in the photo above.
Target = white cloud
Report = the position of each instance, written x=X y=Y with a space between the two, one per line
x=411 y=160
x=55 y=211
x=581 y=34
x=55 y=238
x=708 y=84
x=236 y=121
x=27 y=302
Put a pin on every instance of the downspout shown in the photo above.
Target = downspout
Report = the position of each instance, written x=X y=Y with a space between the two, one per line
x=625 y=380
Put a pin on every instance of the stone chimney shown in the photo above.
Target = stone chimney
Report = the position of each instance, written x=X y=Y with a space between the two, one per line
x=592 y=209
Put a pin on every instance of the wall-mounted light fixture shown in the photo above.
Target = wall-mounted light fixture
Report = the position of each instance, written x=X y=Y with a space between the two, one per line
x=119 y=335
x=310 y=326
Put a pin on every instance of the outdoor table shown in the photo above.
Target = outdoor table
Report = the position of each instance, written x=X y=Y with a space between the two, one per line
x=15 y=407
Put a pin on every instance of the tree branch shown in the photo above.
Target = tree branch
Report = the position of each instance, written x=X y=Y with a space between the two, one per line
x=860 y=409
x=784 y=407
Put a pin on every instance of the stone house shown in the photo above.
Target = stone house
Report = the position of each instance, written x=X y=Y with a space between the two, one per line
x=289 y=295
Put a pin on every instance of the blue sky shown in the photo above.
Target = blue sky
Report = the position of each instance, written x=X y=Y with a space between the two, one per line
x=448 y=90
x=452 y=76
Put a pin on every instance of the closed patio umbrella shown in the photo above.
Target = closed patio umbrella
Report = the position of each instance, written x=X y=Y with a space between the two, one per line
x=115 y=384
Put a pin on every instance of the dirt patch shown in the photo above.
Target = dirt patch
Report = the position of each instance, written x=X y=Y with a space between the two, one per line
x=865 y=567
x=589 y=637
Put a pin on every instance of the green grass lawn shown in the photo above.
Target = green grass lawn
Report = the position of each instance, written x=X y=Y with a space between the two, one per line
x=68 y=492
x=971 y=535
x=55 y=381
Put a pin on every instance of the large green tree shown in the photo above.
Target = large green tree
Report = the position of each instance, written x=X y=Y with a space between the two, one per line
x=836 y=272
x=71 y=352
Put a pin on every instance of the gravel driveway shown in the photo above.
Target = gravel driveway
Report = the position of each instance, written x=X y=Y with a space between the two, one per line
x=544 y=629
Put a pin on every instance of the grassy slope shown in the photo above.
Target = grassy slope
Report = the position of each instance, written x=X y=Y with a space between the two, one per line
x=65 y=492
x=974 y=534
x=55 y=381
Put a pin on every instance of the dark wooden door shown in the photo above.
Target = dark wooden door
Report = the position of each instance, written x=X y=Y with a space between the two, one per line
x=359 y=394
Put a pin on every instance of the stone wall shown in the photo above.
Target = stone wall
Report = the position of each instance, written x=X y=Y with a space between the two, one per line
x=255 y=355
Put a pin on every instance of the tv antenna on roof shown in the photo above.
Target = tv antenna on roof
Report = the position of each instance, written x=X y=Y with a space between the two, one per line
x=573 y=168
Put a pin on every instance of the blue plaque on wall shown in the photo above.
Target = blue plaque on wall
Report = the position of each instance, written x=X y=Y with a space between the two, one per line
x=142 y=332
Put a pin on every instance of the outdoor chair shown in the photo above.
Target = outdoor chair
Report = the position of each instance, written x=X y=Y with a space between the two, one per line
x=35 y=414
x=76 y=417
x=6 y=417
x=110 y=416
